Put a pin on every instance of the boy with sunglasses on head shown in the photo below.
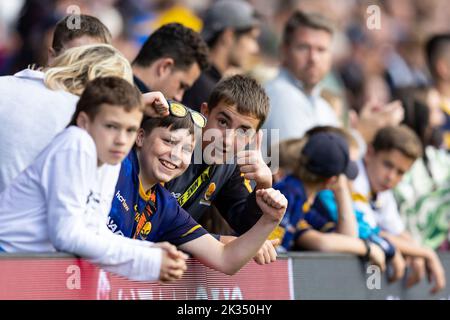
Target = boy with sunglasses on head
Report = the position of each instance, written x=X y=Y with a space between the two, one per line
x=144 y=209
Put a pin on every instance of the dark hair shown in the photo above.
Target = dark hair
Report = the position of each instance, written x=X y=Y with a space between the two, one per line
x=107 y=90
x=400 y=138
x=171 y=122
x=89 y=26
x=245 y=93
x=237 y=34
x=417 y=114
x=437 y=46
x=182 y=44
x=308 y=20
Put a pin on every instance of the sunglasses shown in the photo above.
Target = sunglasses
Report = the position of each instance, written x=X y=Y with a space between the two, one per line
x=180 y=110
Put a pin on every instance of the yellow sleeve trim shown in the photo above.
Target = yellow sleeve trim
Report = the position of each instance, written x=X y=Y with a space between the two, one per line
x=190 y=231
x=302 y=224
x=327 y=226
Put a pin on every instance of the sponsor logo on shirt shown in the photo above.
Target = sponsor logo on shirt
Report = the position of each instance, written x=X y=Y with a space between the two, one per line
x=113 y=227
x=176 y=194
x=123 y=201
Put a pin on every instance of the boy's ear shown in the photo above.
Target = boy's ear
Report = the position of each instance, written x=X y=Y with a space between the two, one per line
x=83 y=120
x=140 y=138
x=204 y=109
x=164 y=66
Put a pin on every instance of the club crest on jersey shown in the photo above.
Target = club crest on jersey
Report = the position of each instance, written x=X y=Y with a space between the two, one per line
x=210 y=191
x=145 y=231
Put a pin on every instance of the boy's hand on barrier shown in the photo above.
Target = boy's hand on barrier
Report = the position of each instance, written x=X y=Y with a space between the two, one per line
x=173 y=263
x=398 y=267
x=171 y=268
x=272 y=203
x=267 y=253
x=156 y=105
x=417 y=271
x=377 y=257
x=252 y=165
x=435 y=272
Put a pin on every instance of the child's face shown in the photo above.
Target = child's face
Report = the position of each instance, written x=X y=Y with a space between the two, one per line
x=114 y=132
x=386 y=168
x=164 y=154
x=227 y=132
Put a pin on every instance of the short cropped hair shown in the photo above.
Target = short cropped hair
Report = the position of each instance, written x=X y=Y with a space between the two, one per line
x=399 y=138
x=171 y=122
x=173 y=40
x=309 y=20
x=243 y=92
x=113 y=91
x=89 y=26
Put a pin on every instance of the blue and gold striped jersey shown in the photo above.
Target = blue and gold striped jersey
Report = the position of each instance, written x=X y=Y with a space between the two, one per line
x=300 y=216
x=154 y=216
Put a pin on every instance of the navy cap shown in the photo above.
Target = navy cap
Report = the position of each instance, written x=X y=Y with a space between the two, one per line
x=222 y=14
x=328 y=155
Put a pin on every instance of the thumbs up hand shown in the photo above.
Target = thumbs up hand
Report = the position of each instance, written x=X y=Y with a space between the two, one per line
x=252 y=165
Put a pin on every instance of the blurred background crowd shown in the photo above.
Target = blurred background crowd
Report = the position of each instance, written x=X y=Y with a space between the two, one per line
x=384 y=71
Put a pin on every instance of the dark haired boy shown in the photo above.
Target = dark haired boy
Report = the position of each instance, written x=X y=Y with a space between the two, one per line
x=75 y=31
x=170 y=61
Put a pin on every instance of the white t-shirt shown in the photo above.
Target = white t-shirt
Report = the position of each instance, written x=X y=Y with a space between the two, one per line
x=62 y=201
x=383 y=212
x=31 y=115
x=292 y=111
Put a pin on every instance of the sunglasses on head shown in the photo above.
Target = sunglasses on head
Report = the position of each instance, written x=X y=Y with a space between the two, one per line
x=180 y=110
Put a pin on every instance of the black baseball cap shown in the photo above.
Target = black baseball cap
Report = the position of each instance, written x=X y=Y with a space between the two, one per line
x=328 y=155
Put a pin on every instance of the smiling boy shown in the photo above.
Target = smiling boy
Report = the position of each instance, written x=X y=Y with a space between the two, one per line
x=146 y=210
